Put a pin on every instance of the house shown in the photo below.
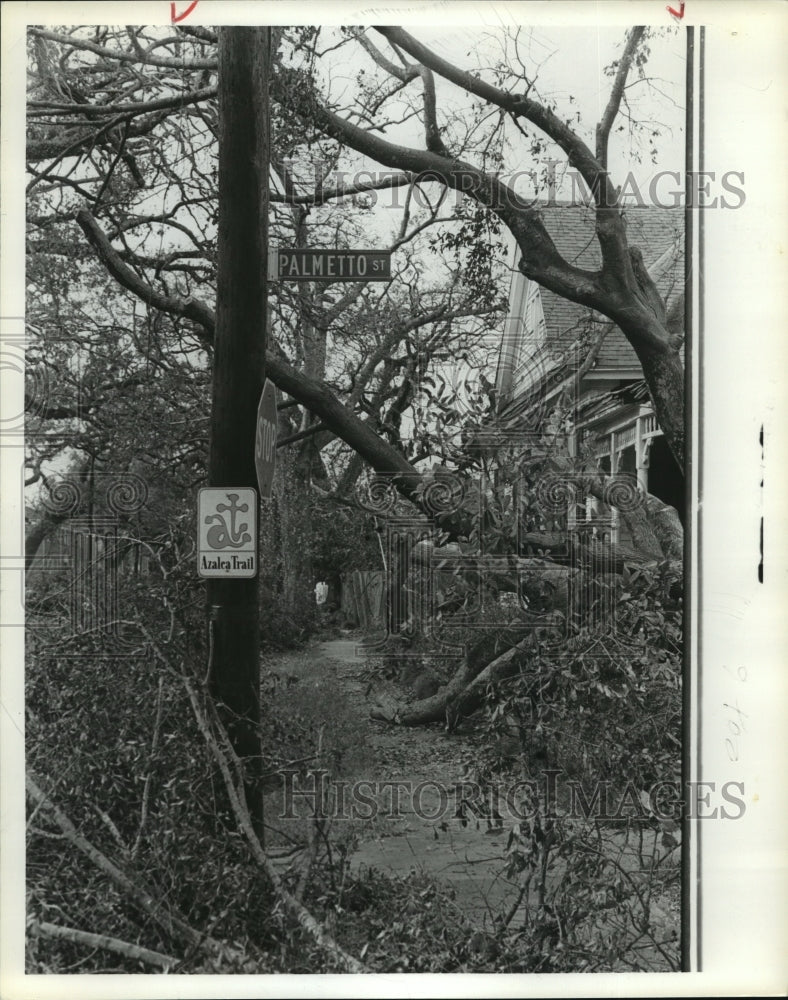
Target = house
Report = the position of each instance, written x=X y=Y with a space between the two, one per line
x=555 y=350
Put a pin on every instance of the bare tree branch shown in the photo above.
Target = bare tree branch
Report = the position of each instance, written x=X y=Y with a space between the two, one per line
x=172 y=923
x=190 y=308
x=311 y=393
x=541 y=260
x=132 y=109
x=610 y=230
x=614 y=101
x=403 y=74
x=125 y=948
x=309 y=432
x=579 y=155
x=118 y=55
x=296 y=909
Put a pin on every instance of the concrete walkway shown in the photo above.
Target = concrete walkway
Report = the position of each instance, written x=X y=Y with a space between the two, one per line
x=425 y=835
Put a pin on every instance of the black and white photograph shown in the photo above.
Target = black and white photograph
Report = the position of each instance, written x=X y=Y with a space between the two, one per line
x=393 y=499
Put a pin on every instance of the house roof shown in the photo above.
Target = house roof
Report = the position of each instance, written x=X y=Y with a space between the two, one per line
x=657 y=232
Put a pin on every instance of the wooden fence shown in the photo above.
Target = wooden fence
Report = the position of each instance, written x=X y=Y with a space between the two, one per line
x=364 y=598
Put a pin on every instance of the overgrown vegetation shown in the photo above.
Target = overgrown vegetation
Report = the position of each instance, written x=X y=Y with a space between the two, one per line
x=114 y=743
x=146 y=848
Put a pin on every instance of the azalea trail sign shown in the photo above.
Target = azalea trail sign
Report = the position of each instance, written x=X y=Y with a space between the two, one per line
x=227 y=533
x=329 y=265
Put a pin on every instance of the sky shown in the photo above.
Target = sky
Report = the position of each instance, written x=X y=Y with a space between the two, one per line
x=570 y=62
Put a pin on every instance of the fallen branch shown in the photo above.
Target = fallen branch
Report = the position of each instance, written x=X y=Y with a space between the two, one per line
x=460 y=696
x=149 y=776
x=503 y=666
x=241 y=811
x=133 y=951
x=174 y=925
x=314 y=825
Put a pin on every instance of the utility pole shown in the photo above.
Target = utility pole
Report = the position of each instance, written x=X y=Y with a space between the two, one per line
x=239 y=374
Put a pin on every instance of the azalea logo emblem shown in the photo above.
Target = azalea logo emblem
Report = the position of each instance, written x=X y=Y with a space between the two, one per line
x=227 y=532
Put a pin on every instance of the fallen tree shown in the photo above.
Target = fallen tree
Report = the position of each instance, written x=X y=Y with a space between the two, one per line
x=655 y=527
x=493 y=658
x=549 y=589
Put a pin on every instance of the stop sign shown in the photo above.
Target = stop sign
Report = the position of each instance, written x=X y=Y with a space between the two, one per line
x=265 y=439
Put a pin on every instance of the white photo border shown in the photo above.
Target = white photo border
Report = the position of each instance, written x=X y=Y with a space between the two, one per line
x=738 y=913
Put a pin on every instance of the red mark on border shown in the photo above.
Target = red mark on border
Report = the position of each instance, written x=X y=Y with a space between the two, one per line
x=676 y=13
x=180 y=17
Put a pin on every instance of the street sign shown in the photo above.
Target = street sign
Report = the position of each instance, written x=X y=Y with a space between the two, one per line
x=227 y=532
x=329 y=265
x=265 y=439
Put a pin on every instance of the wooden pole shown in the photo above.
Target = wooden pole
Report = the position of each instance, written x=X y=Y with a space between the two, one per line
x=239 y=372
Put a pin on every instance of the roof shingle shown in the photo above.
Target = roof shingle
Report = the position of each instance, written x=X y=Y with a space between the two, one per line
x=657 y=232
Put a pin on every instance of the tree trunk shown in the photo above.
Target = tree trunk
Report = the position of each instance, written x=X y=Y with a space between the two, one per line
x=664 y=375
x=36 y=535
x=461 y=695
x=667 y=527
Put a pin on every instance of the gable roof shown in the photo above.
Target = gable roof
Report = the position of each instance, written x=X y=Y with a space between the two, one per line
x=657 y=232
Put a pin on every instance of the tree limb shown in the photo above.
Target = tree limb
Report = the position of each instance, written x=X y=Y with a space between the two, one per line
x=402 y=73
x=616 y=93
x=189 y=308
x=309 y=432
x=492 y=658
x=311 y=393
x=579 y=155
x=130 y=109
x=541 y=259
x=610 y=230
x=117 y=55
x=173 y=924
x=125 y=948
x=75 y=141
x=296 y=909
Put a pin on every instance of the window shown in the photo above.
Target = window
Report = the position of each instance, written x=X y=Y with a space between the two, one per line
x=530 y=358
x=533 y=317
